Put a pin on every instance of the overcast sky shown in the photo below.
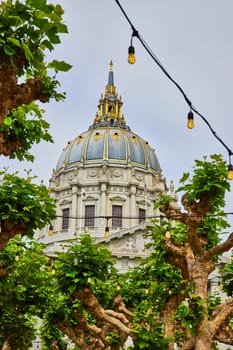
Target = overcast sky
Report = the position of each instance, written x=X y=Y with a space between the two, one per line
x=192 y=39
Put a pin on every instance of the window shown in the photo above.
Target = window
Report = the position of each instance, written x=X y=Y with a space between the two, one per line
x=142 y=215
x=89 y=216
x=116 y=216
x=65 y=218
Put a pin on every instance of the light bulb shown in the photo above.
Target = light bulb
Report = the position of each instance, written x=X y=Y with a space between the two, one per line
x=50 y=232
x=106 y=232
x=168 y=233
x=230 y=172
x=131 y=56
x=17 y=257
x=190 y=123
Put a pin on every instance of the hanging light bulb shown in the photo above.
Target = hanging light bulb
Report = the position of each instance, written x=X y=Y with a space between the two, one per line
x=230 y=172
x=190 y=123
x=106 y=232
x=131 y=54
x=50 y=232
x=168 y=233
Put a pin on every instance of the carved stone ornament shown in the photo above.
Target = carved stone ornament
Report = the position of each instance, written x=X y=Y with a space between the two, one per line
x=92 y=173
x=139 y=177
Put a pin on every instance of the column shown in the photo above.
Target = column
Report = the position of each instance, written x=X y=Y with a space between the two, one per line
x=133 y=207
x=73 y=219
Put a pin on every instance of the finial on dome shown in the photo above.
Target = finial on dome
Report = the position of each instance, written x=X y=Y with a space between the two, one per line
x=110 y=66
x=110 y=75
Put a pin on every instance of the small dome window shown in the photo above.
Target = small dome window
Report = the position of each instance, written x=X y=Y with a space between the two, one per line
x=80 y=138
x=97 y=135
x=134 y=138
x=115 y=135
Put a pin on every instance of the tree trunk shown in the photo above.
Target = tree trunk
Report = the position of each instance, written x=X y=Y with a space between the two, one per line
x=204 y=338
x=6 y=346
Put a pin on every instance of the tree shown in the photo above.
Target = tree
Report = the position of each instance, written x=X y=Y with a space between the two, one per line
x=25 y=282
x=164 y=302
x=185 y=254
x=29 y=29
x=86 y=306
x=24 y=207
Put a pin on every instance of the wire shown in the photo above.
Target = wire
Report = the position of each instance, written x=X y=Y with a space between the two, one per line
x=161 y=216
x=156 y=60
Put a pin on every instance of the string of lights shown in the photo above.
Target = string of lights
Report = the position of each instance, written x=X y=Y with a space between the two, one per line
x=190 y=116
x=144 y=220
x=161 y=216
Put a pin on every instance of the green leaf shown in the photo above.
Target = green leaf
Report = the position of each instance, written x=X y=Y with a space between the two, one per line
x=60 y=65
x=184 y=177
x=27 y=51
x=14 y=41
x=9 y=50
x=8 y=121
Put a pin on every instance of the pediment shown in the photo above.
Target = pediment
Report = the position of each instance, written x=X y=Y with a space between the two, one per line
x=64 y=201
x=90 y=198
x=117 y=199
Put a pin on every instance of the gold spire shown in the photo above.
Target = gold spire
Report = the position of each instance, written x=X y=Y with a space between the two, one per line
x=110 y=105
x=110 y=66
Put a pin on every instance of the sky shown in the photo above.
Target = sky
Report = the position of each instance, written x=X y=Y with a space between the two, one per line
x=193 y=41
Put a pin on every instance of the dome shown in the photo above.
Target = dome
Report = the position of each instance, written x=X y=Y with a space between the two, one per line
x=113 y=145
x=109 y=139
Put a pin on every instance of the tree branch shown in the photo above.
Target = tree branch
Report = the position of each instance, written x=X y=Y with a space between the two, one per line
x=220 y=315
x=225 y=336
x=220 y=248
x=10 y=230
x=77 y=338
x=93 y=306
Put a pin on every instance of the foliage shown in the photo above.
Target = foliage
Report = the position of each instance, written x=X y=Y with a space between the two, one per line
x=23 y=202
x=29 y=30
x=209 y=178
x=26 y=124
x=85 y=263
x=227 y=277
x=24 y=287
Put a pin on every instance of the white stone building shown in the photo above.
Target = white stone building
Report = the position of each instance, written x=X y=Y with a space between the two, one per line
x=106 y=177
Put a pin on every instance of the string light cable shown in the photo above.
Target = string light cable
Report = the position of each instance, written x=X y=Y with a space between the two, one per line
x=135 y=33
x=161 y=216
